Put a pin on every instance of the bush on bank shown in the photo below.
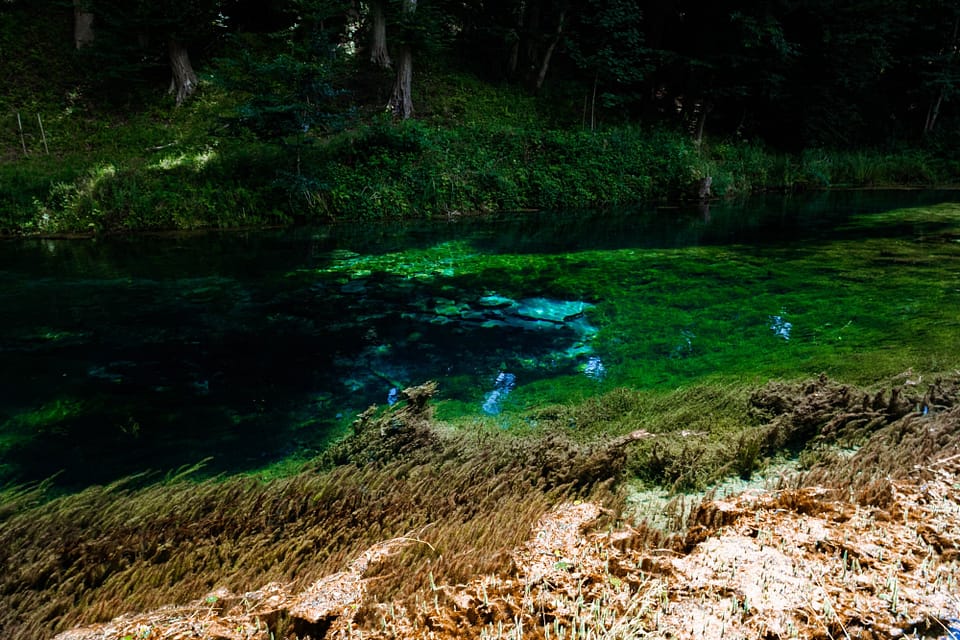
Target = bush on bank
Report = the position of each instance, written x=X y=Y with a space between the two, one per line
x=135 y=178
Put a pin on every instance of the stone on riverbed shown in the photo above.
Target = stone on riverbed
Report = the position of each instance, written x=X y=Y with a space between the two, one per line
x=495 y=301
x=557 y=311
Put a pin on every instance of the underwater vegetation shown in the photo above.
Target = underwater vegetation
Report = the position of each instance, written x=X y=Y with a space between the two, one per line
x=570 y=363
x=252 y=349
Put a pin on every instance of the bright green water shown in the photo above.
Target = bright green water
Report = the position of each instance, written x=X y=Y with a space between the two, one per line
x=129 y=354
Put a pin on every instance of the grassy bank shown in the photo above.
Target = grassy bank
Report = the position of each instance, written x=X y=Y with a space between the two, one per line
x=195 y=167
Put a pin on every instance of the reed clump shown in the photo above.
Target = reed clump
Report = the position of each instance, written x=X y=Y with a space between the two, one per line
x=91 y=556
x=913 y=448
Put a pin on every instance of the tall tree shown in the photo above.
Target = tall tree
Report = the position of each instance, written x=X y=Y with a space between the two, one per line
x=606 y=42
x=82 y=24
x=837 y=93
x=137 y=35
x=401 y=98
x=183 y=79
x=940 y=68
x=730 y=59
x=541 y=25
x=284 y=89
x=379 y=55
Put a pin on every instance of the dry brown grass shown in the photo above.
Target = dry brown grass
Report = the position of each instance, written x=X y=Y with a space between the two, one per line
x=863 y=545
x=772 y=564
x=107 y=550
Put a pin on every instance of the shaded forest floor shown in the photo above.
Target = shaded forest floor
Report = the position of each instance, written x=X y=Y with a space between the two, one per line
x=861 y=543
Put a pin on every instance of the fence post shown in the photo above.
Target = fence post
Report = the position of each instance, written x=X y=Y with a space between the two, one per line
x=23 y=142
x=43 y=135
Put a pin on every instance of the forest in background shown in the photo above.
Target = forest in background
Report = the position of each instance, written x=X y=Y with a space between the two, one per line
x=197 y=113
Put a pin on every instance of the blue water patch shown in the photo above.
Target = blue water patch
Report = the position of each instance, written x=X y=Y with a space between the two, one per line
x=780 y=326
x=684 y=347
x=595 y=369
x=502 y=386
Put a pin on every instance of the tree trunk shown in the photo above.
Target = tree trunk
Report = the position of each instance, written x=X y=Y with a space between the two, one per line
x=593 y=102
x=401 y=100
x=549 y=53
x=934 y=111
x=183 y=83
x=378 y=37
x=82 y=25
x=531 y=43
x=701 y=123
x=514 y=59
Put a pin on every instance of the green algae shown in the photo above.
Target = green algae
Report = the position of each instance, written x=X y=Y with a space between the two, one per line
x=880 y=297
x=714 y=302
x=44 y=416
x=861 y=307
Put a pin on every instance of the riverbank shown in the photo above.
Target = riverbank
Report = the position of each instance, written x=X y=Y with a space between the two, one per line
x=460 y=506
x=180 y=169
x=781 y=564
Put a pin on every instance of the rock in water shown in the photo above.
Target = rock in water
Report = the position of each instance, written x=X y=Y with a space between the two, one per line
x=558 y=311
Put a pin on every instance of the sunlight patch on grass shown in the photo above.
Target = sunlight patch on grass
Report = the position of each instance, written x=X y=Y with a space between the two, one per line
x=195 y=161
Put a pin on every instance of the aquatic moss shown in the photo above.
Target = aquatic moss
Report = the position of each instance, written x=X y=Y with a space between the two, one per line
x=670 y=300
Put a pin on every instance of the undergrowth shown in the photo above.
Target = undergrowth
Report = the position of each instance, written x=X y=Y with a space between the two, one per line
x=159 y=167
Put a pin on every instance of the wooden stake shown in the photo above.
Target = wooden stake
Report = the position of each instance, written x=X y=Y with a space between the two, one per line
x=22 y=141
x=43 y=135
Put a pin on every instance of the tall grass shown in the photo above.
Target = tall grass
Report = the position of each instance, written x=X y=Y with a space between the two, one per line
x=93 y=555
x=472 y=495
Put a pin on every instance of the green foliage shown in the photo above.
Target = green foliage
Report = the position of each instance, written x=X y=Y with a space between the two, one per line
x=36 y=54
x=383 y=169
x=699 y=434
x=292 y=130
x=607 y=43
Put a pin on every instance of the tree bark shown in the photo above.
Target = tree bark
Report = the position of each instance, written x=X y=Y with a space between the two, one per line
x=541 y=76
x=82 y=25
x=378 y=36
x=518 y=36
x=934 y=111
x=183 y=83
x=401 y=100
x=705 y=108
x=593 y=102
x=532 y=42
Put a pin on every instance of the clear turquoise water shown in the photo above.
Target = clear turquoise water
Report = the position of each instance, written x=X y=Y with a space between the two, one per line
x=127 y=354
